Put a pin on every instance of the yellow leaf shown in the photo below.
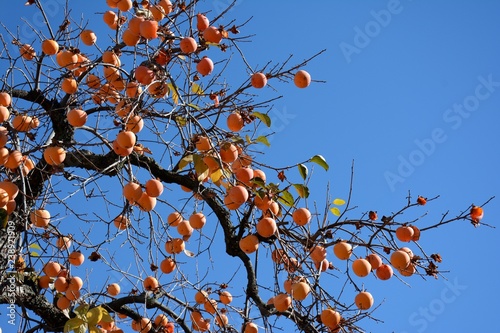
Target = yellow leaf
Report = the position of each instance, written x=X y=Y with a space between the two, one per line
x=196 y=88
x=216 y=175
x=339 y=202
x=175 y=97
x=335 y=211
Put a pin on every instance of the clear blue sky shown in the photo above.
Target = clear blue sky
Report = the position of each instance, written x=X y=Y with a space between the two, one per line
x=412 y=95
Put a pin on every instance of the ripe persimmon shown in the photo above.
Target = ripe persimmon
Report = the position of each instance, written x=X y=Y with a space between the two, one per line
x=361 y=267
x=342 y=250
x=148 y=29
x=258 y=80
x=76 y=258
x=11 y=188
x=93 y=81
x=110 y=18
x=243 y=175
x=126 y=139
x=63 y=303
x=302 y=79
x=52 y=268
x=4 y=114
x=61 y=284
x=143 y=325
x=184 y=228
x=130 y=38
x=363 y=300
x=166 y=5
x=14 y=160
x=27 y=52
x=374 y=260
x=202 y=22
x=400 y=259
x=282 y=302
x=300 y=290
x=408 y=271
x=44 y=281
x=124 y=5
x=188 y=45
x=175 y=246
x=225 y=297
x=212 y=35
x=5 y=99
x=144 y=75
x=317 y=253
x=279 y=256
x=266 y=227
x=174 y=218
x=384 y=272
x=197 y=220
x=476 y=213
x=75 y=283
x=65 y=58
x=69 y=85
x=421 y=200
x=372 y=215
x=404 y=233
x=249 y=243
x=88 y=37
x=301 y=216
x=210 y=306
x=250 y=327
x=238 y=194
x=63 y=242
x=235 y=122
x=168 y=265
x=201 y=296
x=154 y=187
x=54 y=155
x=50 y=47
x=146 y=203
x=161 y=320
x=205 y=66
x=150 y=283
x=132 y=191
x=133 y=89
x=416 y=233
x=121 y=222
x=76 y=117
x=203 y=143
x=228 y=152
x=330 y=318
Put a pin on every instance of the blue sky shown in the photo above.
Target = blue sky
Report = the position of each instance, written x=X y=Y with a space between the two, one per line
x=412 y=95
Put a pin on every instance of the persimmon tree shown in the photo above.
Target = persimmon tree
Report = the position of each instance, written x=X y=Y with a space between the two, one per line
x=135 y=190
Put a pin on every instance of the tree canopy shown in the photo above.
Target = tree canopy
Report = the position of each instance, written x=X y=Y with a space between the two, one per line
x=136 y=193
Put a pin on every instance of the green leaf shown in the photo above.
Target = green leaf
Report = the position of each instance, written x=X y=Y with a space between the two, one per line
x=196 y=88
x=34 y=254
x=320 y=160
x=258 y=181
x=263 y=139
x=339 y=202
x=247 y=139
x=185 y=161
x=194 y=106
x=303 y=171
x=200 y=167
x=335 y=211
x=302 y=190
x=74 y=325
x=263 y=117
x=286 y=198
